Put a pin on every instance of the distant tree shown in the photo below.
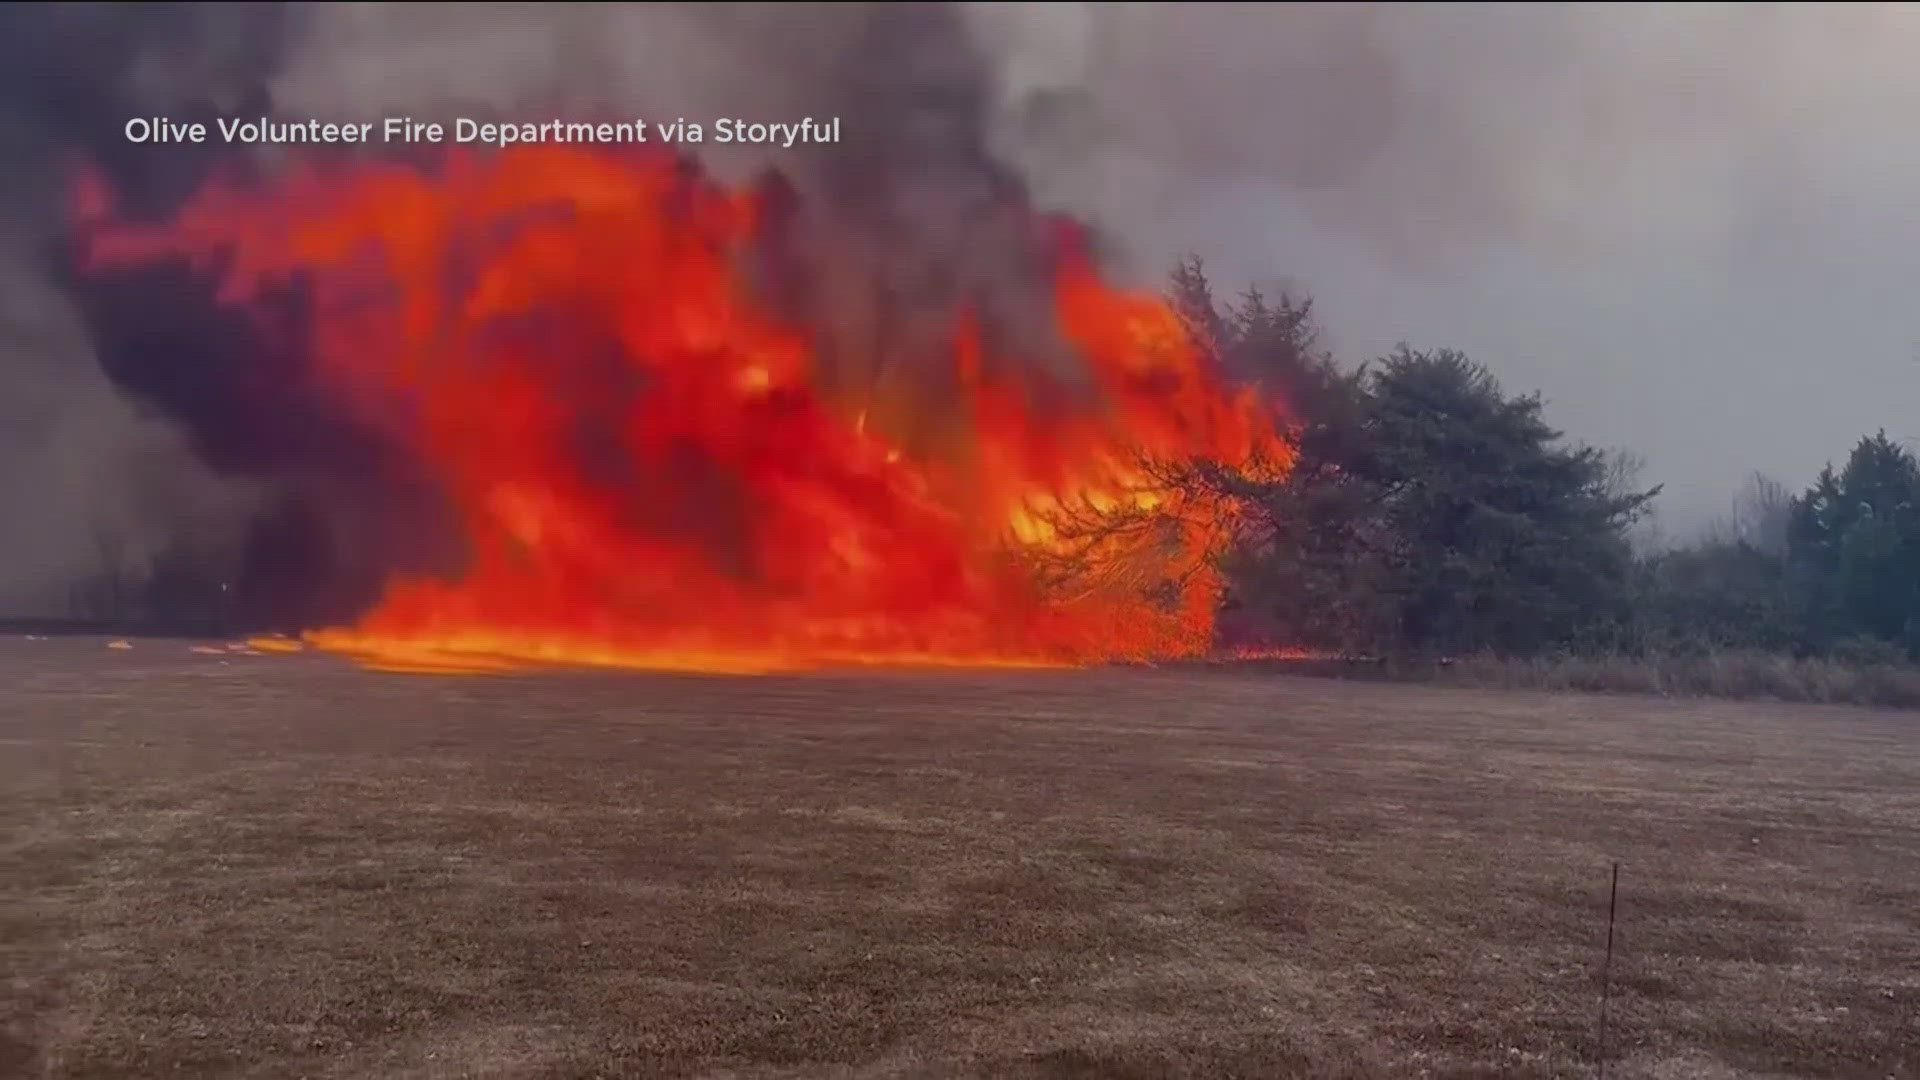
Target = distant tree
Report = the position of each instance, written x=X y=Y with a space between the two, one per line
x=1625 y=471
x=1718 y=594
x=1729 y=589
x=1762 y=514
x=1854 y=544
x=1430 y=512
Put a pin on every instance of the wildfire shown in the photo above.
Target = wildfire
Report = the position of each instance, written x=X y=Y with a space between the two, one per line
x=650 y=469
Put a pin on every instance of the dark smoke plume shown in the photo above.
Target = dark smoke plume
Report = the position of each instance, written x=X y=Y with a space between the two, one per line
x=98 y=484
x=893 y=233
x=321 y=523
x=1681 y=184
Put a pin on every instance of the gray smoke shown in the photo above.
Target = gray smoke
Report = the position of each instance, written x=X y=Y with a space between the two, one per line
x=898 y=226
x=1690 y=226
x=91 y=481
x=906 y=224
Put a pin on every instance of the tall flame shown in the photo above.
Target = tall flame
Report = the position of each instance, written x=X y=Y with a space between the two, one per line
x=651 y=469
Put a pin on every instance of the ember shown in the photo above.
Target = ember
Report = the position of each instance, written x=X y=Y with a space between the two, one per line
x=652 y=468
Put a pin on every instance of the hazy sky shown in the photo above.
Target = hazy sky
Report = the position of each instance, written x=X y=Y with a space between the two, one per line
x=1695 y=229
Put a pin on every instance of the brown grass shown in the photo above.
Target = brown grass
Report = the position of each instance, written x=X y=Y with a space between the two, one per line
x=1735 y=675
x=277 y=866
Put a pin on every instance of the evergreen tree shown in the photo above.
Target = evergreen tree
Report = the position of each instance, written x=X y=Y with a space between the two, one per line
x=1507 y=540
x=1429 y=512
x=1854 y=539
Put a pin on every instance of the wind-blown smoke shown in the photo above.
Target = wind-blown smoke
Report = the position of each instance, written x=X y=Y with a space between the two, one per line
x=1681 y=185
x=1655 y=214
x=1615 y=205
x=93 y=482
x=900 y=233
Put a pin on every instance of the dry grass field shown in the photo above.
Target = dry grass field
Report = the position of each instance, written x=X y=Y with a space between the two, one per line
x=278 y=866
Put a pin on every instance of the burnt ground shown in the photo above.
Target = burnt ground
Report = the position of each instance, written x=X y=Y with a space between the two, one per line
x=280 y=866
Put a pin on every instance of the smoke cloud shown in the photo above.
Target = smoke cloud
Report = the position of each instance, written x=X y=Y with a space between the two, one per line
x=94 y=481
x=1687 y=225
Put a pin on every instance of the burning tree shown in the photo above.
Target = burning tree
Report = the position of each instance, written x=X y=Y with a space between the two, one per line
x=656 y=452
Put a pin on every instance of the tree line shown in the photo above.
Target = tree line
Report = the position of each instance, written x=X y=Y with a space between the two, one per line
x=1431 y=513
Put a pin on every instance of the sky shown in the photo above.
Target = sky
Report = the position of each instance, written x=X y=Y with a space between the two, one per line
x=1690 y=227
x=1694 y=229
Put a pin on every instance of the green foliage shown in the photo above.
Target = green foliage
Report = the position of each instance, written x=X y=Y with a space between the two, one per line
x=1431 y=513
x=1854 y=545
x=1506 y=539
x=1724 y=595
x=1299 y=578
x=1428 y=511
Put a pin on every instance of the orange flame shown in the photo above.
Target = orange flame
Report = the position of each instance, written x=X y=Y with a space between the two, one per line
x=740 y=515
